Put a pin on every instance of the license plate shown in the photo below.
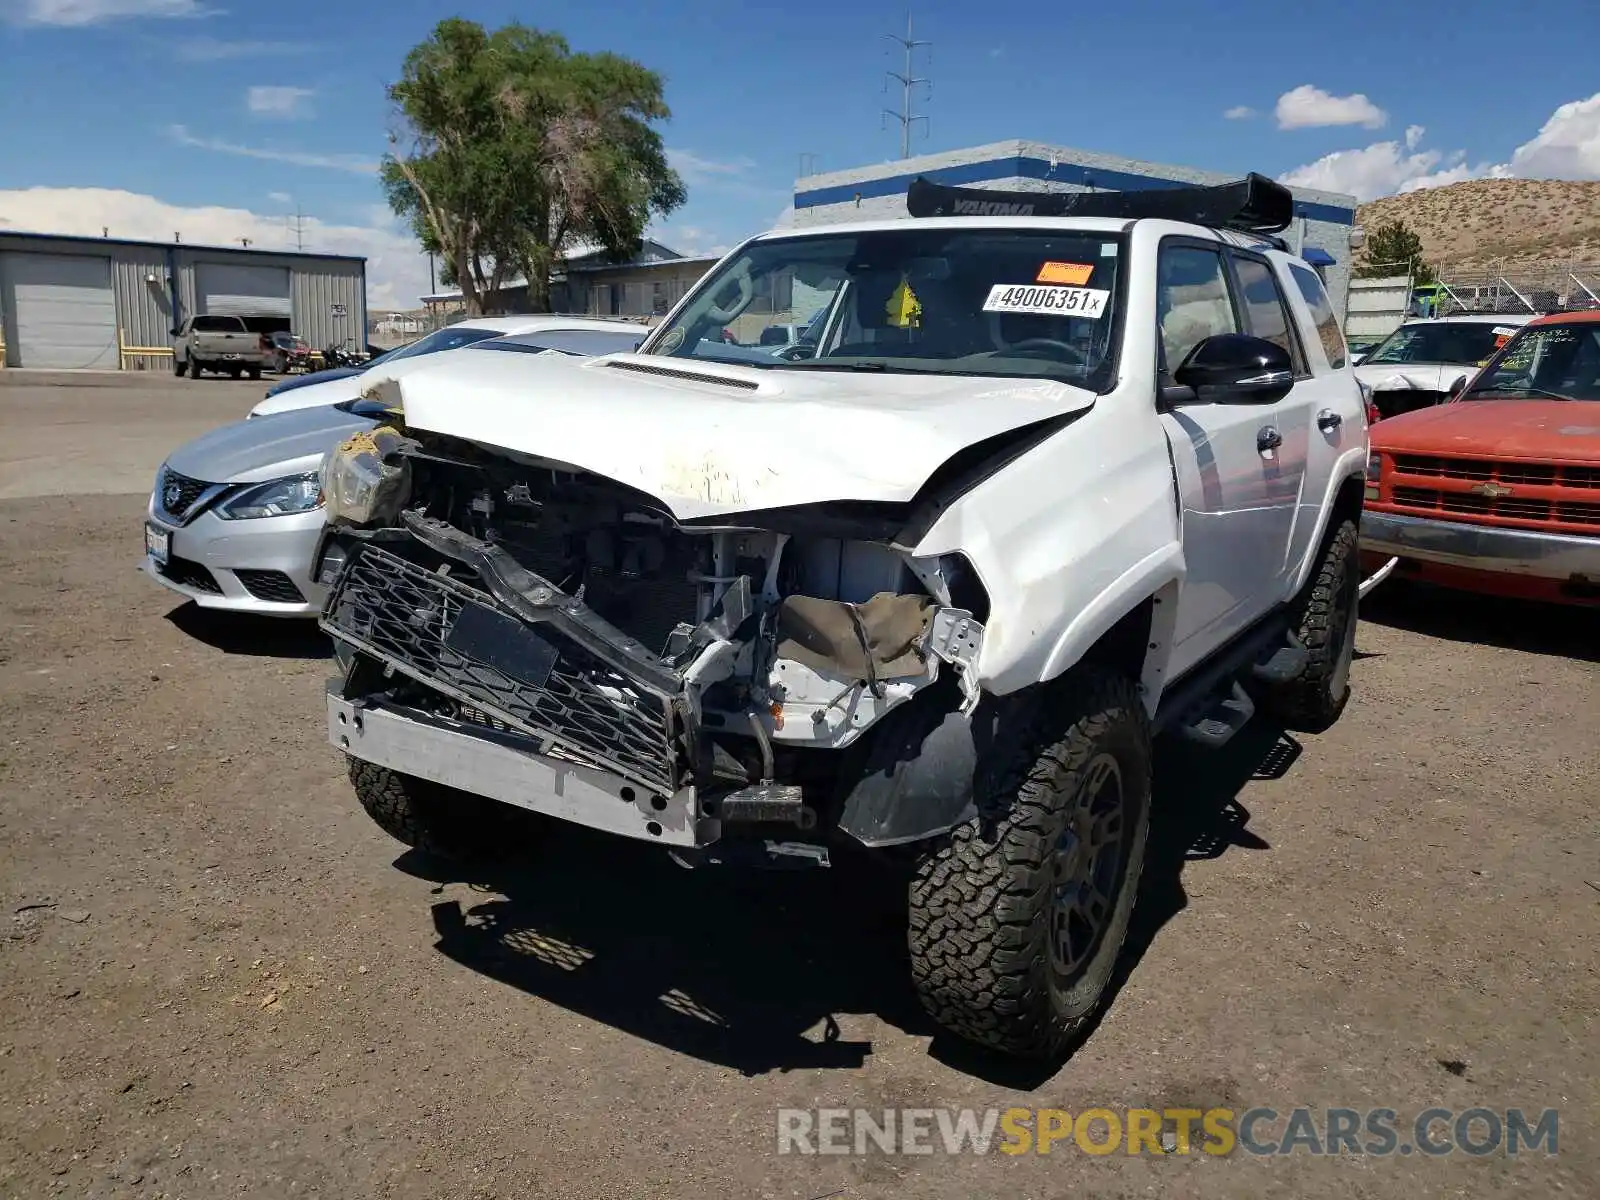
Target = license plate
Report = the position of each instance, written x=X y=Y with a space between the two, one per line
x=157 y=544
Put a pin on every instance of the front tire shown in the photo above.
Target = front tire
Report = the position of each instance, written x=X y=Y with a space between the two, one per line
x=195 y=369
x=1326 y=625
x=1016 y=920
x=179 y=366
x=430 y=817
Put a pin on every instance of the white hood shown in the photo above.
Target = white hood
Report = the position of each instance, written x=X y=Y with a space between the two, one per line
x=727 y=439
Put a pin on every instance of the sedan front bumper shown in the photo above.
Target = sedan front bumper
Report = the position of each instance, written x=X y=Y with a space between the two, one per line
x=260 y=566
x=1553 y=556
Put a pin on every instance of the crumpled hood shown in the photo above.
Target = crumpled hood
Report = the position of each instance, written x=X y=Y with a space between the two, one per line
x=708 y=439
x=1548 y=430
x=1424 y=377
x=267 y=447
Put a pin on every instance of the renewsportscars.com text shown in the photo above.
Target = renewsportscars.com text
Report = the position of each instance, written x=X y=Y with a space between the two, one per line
x=1378 y=1132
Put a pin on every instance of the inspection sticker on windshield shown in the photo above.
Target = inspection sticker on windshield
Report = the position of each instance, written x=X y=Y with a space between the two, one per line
x=1046 y=301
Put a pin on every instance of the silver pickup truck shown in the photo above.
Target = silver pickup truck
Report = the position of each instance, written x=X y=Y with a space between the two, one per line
x=217 y=343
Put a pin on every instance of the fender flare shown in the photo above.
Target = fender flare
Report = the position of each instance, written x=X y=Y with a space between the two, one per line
x=1157 y=576
x=1352 y=464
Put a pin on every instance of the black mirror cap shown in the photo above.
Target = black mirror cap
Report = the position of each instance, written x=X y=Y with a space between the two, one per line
x=1459 y=386
x=1239 y=368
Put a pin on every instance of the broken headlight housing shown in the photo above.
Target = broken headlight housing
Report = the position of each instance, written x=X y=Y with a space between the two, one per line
x=363 y=481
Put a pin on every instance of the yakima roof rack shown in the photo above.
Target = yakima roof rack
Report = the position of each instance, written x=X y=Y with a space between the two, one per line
x=1254 y=204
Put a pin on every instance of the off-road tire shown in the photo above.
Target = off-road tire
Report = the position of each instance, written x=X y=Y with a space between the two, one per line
x=196 y=368
x=254 y=372
x=179 y=366
x=431 y=817
x=1326 y=626
x=982 y=897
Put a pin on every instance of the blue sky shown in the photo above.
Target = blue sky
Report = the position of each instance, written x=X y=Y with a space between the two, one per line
x=220 y=118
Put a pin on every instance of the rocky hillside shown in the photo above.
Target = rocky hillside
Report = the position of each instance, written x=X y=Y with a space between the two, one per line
x=1517 y=221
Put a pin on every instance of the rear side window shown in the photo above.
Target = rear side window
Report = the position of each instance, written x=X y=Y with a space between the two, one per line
x=1316 y=298
x=1265 y=313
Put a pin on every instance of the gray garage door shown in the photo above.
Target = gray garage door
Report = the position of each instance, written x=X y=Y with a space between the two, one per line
x=241 y=290
x=64 y=313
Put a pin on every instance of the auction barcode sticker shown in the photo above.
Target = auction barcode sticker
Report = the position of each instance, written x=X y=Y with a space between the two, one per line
x=1046 y=301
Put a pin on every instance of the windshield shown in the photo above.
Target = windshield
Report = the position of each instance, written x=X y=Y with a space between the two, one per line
x=449 y=338
x=1005 y=302
x=1464 y=343
x=1546 y=362
x=566 y=341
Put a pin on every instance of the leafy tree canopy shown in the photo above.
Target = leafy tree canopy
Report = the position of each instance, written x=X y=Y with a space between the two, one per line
x=511 y=149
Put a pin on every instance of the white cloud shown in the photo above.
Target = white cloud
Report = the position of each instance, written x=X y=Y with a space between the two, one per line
x=1239 y=112
x=397 y=270
x=78 y=13
x=209 y=49
x=1387 y=168
x=690 y=240
x=280 y=197
x=299 y=158
x=1567 y=147
x=267 y=101
x=1308 y=107
x=696 y=168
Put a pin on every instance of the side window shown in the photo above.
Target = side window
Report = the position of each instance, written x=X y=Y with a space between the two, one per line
x=1316 y=298
x=1192 y=301
x=1265 y=313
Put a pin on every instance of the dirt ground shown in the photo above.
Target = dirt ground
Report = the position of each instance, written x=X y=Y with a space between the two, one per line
x=219 y=979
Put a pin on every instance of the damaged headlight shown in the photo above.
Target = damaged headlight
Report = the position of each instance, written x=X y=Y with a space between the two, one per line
x=362 y=481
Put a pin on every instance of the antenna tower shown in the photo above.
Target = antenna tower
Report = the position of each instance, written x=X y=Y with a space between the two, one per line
x=909 y=83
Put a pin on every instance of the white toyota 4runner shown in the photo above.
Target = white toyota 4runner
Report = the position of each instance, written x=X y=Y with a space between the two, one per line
x=1034 y=488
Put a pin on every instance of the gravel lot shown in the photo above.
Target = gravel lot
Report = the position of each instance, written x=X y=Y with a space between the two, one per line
x=219 y=979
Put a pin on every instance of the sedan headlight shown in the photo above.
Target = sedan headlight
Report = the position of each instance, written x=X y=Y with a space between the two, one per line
x=275 y=498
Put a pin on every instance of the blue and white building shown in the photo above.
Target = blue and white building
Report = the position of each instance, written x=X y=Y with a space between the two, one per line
x=1321 y=230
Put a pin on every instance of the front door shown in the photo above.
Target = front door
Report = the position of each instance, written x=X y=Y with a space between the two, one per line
x=1239 y=467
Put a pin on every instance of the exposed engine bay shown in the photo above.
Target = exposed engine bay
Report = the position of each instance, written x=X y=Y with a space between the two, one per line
x=565 y=607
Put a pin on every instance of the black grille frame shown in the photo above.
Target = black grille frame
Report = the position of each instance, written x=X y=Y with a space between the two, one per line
x=190 y=492
x=401 y=614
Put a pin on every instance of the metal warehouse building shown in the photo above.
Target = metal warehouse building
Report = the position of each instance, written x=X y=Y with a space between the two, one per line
x=1321 y=231
x=105 y=303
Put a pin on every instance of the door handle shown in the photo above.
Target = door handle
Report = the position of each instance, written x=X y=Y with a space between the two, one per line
x=1268 y=438
x=1328 y=420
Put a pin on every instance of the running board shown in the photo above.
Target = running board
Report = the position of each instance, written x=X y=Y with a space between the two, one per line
x=1224 y=719
x=1285 y=663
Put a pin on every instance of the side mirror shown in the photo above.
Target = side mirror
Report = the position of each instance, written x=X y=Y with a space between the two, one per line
x=1234 y=368
x=1459 y=386
x=175 y=333
x=1357 y=359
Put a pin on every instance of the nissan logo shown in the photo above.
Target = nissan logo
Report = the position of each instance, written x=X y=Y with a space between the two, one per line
x=171 y=496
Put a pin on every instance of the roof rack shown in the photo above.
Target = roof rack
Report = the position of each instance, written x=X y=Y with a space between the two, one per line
x=1254 y=204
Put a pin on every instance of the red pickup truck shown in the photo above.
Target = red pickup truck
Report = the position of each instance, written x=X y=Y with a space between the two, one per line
x=1497 y=490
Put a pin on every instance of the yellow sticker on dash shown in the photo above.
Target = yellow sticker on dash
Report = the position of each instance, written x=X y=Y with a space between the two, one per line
x=1073 y=274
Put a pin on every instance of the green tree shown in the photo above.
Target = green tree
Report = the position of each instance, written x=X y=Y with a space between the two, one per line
x=510 y=149
x=1392 y=249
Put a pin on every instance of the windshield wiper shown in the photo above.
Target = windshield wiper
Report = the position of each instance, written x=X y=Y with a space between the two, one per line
x=1524 y=388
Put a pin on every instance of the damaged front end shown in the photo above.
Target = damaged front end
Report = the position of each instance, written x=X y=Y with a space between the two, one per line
x=556 y=640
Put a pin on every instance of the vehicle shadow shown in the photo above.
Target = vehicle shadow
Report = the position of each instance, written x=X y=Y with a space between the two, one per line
x=248 y=634
x=1567 y=631
x=753 y=970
